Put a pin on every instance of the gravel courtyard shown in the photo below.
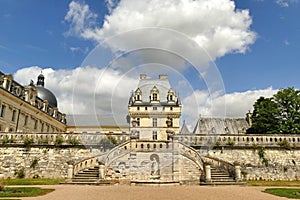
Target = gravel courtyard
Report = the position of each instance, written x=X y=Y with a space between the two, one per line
x=75 y=192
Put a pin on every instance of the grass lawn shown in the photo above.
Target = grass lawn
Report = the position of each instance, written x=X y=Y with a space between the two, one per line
x=24 y=192
x=31 y=181
x=274 y=183
x=284 y=192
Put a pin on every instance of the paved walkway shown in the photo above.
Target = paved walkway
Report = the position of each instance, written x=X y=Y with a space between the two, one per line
x=75 y=192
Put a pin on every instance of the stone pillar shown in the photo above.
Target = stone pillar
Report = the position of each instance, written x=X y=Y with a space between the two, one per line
x=101 y=171
x=207 y=173
x=238 y=176
x=70 y=173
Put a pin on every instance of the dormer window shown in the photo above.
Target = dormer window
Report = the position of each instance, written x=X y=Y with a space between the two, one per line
x=138 y=95
x=171 y=96
x=154 y=94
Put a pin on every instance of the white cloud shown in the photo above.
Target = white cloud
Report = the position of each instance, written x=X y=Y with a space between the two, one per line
x=217 y=26
x=80 y=17
x=83 y=90
x=106 y=91
x=236 y=104
x=282 y=3
x=286 y=42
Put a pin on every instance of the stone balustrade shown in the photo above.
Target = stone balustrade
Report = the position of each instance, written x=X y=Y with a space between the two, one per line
x=238 y=139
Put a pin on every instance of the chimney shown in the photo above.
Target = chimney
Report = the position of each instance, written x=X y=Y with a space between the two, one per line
x=163 y=76
x=143 y=76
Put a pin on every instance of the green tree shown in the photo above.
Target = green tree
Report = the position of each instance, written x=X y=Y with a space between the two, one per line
x=288 y=103
x=265 y=116
x=278 y=114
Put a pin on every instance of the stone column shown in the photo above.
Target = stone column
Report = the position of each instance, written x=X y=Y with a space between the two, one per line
x=207 y=173
x=238 y=176
x=70 y=173
x=101 y=171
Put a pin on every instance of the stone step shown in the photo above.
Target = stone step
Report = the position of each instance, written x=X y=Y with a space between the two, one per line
x=84 y=180
x=223 y=183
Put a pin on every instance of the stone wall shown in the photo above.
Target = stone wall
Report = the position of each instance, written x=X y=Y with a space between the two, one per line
x=50 y=162
x=263 y=163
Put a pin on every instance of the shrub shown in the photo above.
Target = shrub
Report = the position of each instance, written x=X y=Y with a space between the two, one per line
x=6 y=140
x=34 y=163
x=73 y=141
x=59 y=141
x=28 y=142
x=261 y=155
x=112 y=139
x=218 y=143
x=284 y=144
x=20 y=173
x=230 y=143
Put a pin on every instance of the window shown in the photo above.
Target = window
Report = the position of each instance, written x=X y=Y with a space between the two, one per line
x=171 y=98
x=154 y=135
x=154 y=122
x=13 y=116
x=2 y=113
x=154 y=108
x=138 y=108
x=0 y=128
x=47 y=128
x=35 y=124
x=138 y=97
x=171 y=108
x=154 y=97
x=138 y=121
x=146 y=108
x=42 y=128
x=25 y=120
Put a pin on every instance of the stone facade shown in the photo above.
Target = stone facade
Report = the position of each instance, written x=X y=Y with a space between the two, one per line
x=282 y=164
x=21 y=109
x=50 y=162
x=154 y=109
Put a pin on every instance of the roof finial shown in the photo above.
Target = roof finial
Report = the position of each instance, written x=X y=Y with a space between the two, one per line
x=41 y=80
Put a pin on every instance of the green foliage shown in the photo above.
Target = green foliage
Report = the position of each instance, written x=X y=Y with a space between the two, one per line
x=108 y=143
x=293 y=193
x=218 y=143
x=31 y=181
x=261 y=155
x=58 y=141
x=20 y=173
x=230 y=143
x=44 y=141
x=73 y=141
x=278 y=114
x=6 y=140
x=112 y=139
x=34 y=163
x=28 y=141
x=284 y=144
x=24 y=192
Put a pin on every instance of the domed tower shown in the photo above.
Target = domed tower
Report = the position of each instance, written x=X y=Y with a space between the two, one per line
x=44 y=93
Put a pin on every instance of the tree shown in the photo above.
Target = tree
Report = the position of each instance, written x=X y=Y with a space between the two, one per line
x=278 y=114
x=288 y=103
x=265 y=116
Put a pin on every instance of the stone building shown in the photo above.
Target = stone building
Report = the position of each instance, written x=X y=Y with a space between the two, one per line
x=31 y=108
x=154 y=109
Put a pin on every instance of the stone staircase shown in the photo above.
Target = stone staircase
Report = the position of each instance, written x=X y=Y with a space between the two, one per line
x=89 y=176
x=219 y=177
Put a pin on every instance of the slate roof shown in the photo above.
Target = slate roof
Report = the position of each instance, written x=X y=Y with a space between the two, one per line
x=221 y=126
x=146 y=85
x=97 y=120
x=184 y=129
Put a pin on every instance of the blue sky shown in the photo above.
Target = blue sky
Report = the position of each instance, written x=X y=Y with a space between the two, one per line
x=36 y=33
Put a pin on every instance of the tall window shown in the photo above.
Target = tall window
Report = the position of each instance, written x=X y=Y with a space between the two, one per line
x=138 y=121
x=171 y=98
x=42 y=128
x=154 y=122
x=35 y=124
x=154 y=135
x=25 y=120
x=154 y=97
x=2 y=113
x=154 y=108
x=13 y=116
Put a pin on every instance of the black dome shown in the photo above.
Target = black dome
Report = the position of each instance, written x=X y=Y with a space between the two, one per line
x=46 y=94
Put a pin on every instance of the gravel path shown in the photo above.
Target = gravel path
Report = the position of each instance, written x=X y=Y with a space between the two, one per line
x=75 y=192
